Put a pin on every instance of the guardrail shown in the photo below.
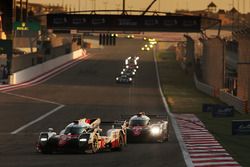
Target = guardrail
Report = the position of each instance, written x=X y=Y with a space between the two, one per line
x=238 y=103
x=39 y=69
x=207 y=89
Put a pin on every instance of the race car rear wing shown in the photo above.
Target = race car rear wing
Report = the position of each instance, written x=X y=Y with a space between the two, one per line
x=116 y=123
x=151 y=116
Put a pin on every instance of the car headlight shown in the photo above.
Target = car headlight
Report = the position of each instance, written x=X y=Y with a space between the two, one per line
x=133 y=73
x=43 y=139
x=130 y=79
x=155 y=130
x=117 y=78
x=122 y=72
x=142 y=48
x=83 y=140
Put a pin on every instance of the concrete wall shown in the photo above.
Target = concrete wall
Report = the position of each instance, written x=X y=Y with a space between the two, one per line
x=239 y=104
x=244 y=70
x=212 y=63
x=207 y=89
x=34 y=71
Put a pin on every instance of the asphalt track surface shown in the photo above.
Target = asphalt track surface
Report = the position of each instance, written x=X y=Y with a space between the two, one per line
x=87 y=90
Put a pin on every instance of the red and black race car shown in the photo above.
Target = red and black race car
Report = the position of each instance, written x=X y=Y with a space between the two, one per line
x=83 y=136
x=141 y=129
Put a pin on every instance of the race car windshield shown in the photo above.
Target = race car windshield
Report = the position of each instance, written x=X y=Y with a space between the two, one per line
x=74 y=130
x=138 y=122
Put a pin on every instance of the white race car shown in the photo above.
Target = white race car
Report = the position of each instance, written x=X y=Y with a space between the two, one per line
x=83 y=136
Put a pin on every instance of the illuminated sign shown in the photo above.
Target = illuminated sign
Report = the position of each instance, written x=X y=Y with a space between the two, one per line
x=29 y=26
x=241 y=127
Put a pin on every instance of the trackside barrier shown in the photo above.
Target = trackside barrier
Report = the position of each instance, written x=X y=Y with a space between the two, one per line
x=239 y=104
x=207 y=89
x=37 y=70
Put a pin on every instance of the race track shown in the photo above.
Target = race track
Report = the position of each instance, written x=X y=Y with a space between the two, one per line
x=86 y=90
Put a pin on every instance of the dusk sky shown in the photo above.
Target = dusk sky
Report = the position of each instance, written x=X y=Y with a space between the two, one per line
x=165 y=5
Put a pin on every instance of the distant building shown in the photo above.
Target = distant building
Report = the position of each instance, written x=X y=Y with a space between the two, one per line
x=224 y=17
x=228 y=18
x=212 y=8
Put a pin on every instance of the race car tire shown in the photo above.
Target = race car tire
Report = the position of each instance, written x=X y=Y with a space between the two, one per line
x=161 y=139
x=167 y=133
x=94 y=145
x=121 y=143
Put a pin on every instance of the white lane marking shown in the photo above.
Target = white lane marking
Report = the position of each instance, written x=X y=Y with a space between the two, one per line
x=204 y=148
x=37 y=120
x=212 y=158
x=32 y=98
x=216 y=163
x=187 y=139
x=208 y=151
x=202 y=144
x=198 y=135
x=208 y=154
x=184 y=150
x=60 y=69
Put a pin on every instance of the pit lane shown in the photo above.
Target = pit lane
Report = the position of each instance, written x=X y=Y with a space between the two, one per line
x=87 y=90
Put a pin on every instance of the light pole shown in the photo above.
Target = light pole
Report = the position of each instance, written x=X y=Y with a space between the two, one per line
x=123 y=6
x=27 y=2
x=238 y=18
x=21 y=10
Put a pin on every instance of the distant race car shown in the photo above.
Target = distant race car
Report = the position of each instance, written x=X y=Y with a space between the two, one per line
x=123 y=78
x=82 y=136
x=132 y=59
x=140 y=129
x=129 y=72
x=132 y=66
x=130 y=36
x=145 y=48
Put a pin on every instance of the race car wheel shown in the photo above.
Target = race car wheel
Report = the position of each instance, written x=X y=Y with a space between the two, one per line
x=121 y=143
x=161 y=139
x=94 y=145
x=167 y=134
